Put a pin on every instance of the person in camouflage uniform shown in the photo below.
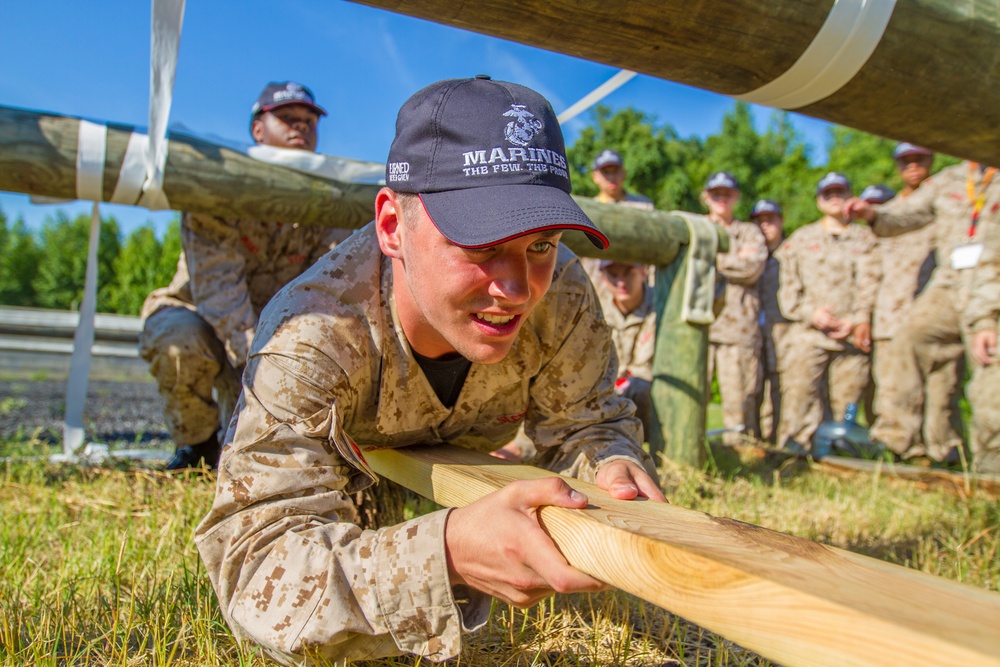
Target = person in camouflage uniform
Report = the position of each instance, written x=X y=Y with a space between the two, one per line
x=197 y=331
x=734 y=338
x=829 y=274
x=627 y=303
x=907 y=262
x=452 y=318
x=963 y=201
x=980 y=318
x=768 y=216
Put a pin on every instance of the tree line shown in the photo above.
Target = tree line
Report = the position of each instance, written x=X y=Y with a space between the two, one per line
x=46 y=268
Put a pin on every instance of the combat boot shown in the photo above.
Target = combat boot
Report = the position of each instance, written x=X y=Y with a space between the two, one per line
x=194 y=456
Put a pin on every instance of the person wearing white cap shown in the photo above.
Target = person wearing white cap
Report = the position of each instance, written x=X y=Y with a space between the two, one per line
x=770 y=218
x=453 y=317
x=907 y=262
x=734 y=353
x=829 y=274
x=963 y=201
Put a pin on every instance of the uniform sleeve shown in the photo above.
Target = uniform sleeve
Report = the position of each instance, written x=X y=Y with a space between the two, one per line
x=869 y=275
x=575 y=418
x=744 y=263
x=902 y=215
x=218 y=281
x=983 y=308
x=332 y=237
x=792 y=299
x=291 y=567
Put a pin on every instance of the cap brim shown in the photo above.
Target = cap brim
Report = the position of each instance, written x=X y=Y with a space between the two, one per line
x=490 y=215
x=912 y=152
x=315 y=107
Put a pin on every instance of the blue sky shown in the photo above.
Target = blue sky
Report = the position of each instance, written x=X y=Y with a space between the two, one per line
x=91 y=59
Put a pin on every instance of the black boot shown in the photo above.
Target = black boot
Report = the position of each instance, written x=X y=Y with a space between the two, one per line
x=194 y=456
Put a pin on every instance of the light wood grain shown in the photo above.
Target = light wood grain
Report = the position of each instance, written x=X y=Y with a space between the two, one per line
x=791 y=600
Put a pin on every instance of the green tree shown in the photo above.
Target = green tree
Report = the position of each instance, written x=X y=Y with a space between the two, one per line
x=19 y=255
x=63 y=261
x=144 y=264
x=654 y=156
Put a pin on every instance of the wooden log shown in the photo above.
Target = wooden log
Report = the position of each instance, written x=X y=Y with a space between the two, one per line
x=956 y=483
x=38 y=157
x=791 y=600
x=931 y=79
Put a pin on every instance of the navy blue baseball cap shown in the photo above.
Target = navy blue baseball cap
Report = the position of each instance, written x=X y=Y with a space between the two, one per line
x=488 y=161
x=765 y=206
x=878 y=194
x=722 y=179
x=906 y=149
x=833 y=180
x=606 y=157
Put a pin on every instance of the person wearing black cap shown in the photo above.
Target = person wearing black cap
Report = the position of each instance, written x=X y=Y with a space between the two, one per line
x=829 y=274
x=963 y=201
x=197 y=331
x=734 y=338
x=453 y=317
x=907 y=263
x=769 y=217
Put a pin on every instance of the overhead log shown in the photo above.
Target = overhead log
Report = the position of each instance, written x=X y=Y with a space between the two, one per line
x=930 y=80
x=38 y=155
x=792 y=600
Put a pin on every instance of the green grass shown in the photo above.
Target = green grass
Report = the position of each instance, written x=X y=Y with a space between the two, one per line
x=97 y=566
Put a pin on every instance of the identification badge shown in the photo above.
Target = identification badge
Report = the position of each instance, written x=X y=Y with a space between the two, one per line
x=966 y=256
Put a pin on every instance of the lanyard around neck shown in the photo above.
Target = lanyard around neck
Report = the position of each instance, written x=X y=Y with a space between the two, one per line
x=977 y=199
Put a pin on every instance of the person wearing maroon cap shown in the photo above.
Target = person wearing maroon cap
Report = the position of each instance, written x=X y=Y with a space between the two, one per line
x=197 y=331
x=908 y=260
x=454 y=317
x=829 y=274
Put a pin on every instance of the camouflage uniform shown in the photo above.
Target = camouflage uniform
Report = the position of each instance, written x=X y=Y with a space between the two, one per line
x=982 y=314
x=907 y=262
x=934 y=328
x=330 y=366
x=734 y=338
x=196 y=331
x=634 y=336
x=773 y=326
x=840 y=271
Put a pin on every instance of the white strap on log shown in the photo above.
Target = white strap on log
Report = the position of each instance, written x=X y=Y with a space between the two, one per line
x=837 y=53
x=596 y=95
x=165 y=40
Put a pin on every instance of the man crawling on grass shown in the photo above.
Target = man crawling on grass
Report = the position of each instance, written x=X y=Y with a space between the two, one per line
x=451 y=318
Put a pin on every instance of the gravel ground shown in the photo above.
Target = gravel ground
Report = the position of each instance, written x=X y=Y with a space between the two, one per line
x=121 y=414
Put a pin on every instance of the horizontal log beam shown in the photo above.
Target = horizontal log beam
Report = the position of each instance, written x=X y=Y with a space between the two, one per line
x=38 y=154
x=931 y=79
x=791 y=600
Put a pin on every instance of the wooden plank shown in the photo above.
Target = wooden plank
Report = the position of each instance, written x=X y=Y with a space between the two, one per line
x=931 y=80
x=958 y=483
x=38 y=157
x=791 y=600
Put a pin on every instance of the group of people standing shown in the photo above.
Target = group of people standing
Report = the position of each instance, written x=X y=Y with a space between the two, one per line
x=888 y=314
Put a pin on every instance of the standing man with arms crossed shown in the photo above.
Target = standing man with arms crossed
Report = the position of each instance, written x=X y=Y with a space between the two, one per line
x=451 y=318
x=197 y=331
x=916 y=416
x=964 y=202
x=734 y=338
x=829 y=274
x=768 y=216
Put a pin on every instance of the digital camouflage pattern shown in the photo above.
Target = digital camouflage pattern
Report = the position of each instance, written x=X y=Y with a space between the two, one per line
x=840 y=271
x=205 y=318
x=773 y=327
x=734 y=353
x=907 y=262
x=330 y=367
x=934 y=327
x=634 y=338
x=981 y=314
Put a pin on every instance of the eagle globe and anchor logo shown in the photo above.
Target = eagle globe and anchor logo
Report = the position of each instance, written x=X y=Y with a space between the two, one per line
x=523 y=128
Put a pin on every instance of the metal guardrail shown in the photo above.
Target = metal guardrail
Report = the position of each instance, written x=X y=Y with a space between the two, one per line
x=44 y=330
